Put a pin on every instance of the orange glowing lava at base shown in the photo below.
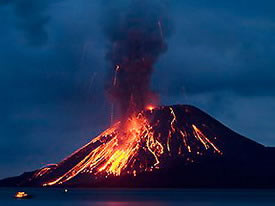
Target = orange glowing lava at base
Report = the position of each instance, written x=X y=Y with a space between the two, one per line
x=139 y=145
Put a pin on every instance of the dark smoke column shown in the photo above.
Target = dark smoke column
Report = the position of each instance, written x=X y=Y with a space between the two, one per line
x=137 y=38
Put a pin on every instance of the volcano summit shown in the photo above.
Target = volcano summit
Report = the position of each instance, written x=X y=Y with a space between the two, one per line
x=176 y=146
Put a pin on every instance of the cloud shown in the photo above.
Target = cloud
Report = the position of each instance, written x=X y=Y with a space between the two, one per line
x=51 y=93
x=31 y=19
x=214 y=51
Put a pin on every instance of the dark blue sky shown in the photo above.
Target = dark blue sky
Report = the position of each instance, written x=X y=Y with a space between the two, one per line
x=53 y=72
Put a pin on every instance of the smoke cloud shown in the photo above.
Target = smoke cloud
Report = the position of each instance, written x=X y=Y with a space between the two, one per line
x=137 y=36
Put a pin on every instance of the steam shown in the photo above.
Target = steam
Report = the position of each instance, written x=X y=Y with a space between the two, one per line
x=136 y=36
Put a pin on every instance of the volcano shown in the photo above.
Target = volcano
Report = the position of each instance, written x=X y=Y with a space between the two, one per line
x=167 y=146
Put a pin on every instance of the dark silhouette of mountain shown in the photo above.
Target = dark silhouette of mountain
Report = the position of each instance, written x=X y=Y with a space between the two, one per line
x=177 y=146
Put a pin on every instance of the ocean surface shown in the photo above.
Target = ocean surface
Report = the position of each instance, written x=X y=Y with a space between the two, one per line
x=137 y=197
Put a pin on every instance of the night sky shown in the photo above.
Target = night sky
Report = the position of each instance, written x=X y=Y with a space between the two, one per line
x=220 y=58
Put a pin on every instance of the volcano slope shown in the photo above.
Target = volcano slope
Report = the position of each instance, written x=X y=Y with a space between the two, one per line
x=170 y=146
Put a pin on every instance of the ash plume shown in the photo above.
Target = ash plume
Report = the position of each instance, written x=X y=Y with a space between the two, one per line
x=136 y=35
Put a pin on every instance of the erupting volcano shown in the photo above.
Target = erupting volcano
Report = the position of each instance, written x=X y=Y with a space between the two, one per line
x=175 y=146
x=143 y=143
x=154 y=146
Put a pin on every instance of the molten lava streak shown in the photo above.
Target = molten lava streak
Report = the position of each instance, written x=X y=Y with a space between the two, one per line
x=138 y=145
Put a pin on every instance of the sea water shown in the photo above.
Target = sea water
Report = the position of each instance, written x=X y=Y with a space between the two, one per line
x=137 y=197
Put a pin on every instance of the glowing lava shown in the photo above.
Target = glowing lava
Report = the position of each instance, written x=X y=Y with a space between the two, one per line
x=150 y=107
x=141 y=144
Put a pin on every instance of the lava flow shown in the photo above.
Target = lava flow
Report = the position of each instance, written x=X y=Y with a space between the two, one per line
x=144 y=143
